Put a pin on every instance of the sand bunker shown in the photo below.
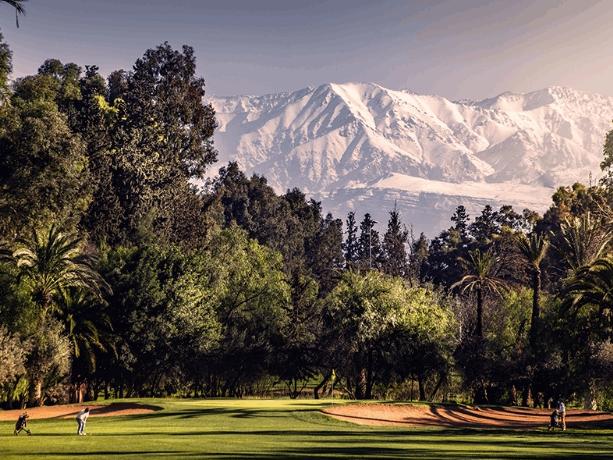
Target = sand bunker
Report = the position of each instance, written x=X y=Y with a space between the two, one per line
x=70 y=410
x=462 y=416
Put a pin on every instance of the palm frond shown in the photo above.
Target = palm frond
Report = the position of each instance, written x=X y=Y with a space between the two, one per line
x=591 y=289
x=54 y=261
x=18 y=6
x=583 y=240
x=533 y=247
x=480 y=268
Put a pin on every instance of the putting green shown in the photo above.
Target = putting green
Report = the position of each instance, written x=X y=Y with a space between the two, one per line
x=265 y=429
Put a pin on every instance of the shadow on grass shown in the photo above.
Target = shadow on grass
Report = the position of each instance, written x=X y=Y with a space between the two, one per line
x=331 y=452
x=110 y=409
x=367 y=444
x=457 y=436
x=346 y=441
x=110 y=453
x=221 y=411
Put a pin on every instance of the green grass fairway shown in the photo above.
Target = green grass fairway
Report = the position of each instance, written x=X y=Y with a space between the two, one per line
x=263 y=429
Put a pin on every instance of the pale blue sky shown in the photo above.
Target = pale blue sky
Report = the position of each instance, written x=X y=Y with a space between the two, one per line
x=456 y=48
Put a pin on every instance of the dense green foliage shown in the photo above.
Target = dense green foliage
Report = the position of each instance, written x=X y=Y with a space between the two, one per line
x=124 y=273
x=382 y=331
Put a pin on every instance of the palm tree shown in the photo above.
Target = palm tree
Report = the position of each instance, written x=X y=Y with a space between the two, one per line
x=534 y=249
x=590 y=292
x=88 y=329
x=592 y=286
x=83 y=320
x=583 y=240
x=480 y=278
x=52 y=261
x=19 y=9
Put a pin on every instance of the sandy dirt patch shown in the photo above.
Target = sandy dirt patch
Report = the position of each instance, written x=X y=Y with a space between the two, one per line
x=70 y=410
x=462 y=416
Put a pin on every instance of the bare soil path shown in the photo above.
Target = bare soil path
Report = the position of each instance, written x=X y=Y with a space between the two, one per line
x=462 y=416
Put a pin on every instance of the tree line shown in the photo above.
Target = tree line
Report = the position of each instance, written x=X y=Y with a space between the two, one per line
x=123 y=273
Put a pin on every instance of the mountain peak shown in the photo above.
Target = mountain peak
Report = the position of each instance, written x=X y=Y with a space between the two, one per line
x=338 y=139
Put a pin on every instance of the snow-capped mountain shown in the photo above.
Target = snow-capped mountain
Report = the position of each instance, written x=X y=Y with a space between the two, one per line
x=365 y=147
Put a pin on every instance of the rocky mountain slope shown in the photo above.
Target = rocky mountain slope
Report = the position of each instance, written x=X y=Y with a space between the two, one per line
x=365 y=147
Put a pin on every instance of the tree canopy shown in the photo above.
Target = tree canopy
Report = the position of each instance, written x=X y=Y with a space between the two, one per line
x=128 y=269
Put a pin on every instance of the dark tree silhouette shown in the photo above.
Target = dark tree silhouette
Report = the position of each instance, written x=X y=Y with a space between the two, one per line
x=19 y=9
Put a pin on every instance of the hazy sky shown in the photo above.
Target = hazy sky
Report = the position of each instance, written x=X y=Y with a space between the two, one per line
x=457 y=48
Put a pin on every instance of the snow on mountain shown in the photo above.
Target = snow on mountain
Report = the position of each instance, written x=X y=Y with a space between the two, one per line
x=364 y=147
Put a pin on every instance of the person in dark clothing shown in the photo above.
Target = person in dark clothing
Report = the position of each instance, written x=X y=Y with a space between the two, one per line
x=553 y=420
x=21 y=425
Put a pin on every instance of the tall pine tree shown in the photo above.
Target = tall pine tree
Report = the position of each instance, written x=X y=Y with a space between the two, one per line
x=369 y=245
x=461 y=218
x=351 y=242
x=418 y=257
x=394 y=247
x=325 y=254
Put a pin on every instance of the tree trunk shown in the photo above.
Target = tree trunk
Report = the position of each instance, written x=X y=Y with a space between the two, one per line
x=589 y=397
x=349 y=388
x=369 y=376
x=538 y=399
x=536 y=306
x=360 y=384
x=89 y=392
x=321 y=384
x=421 y=387
x=360 y=389
x=513 y=400
x=526 y=396
x=35 y=397
x=479 y=329
x=330 y=393
x=436 y=387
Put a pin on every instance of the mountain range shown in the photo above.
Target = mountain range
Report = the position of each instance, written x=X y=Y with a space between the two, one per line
x=363 y=147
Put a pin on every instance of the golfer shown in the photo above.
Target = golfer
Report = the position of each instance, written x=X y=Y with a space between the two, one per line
x=21 y=425
x=562 y=412
x=81 y=421
x=553 y=420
